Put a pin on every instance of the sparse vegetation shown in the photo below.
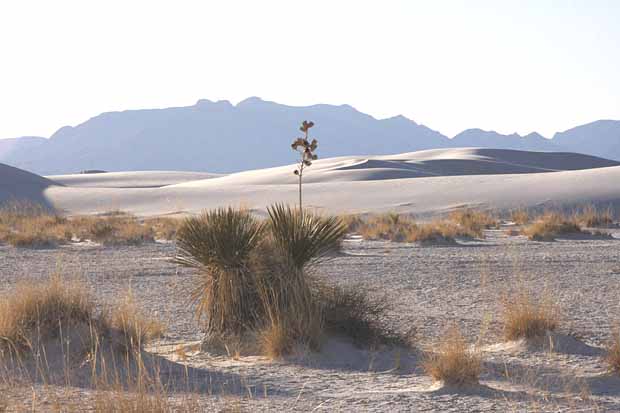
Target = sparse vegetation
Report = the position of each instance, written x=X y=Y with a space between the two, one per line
x=520 y=216
x=612 y=355
x=257 y=279
x=551 y=225
x=221 y=243
x=528 y=316
x=473 y=221
x=590 y=216
x=28 y=225
x=452 y=362
x=36 y=313
x=402 y=228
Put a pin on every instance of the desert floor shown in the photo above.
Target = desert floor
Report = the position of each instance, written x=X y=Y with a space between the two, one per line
x=427 y=287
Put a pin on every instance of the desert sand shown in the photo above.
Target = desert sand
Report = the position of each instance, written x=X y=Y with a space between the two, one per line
x=423 y=183
x=428 y=288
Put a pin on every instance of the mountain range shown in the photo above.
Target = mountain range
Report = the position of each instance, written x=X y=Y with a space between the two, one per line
x=220 y=137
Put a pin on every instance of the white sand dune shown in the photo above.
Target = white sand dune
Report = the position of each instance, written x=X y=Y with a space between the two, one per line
x=134 y=179
x=425 y=182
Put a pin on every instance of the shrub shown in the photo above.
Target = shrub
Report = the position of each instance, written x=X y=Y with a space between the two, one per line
x=452 y=362
x=28 y=225
x=551 y=225
x=220 y=244
x=113 y=228
x=35 y=313
x=590 y=216
x=520 y=216
x=473 y=222
x=528 y=317
x=612 y=355
x=164 y=228
x=350 y=312
x=399 y=228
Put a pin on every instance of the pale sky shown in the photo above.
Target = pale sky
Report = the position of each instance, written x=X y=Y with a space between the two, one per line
x=509 y=66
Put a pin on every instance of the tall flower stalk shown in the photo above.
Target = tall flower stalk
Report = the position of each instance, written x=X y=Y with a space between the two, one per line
x=306 y=149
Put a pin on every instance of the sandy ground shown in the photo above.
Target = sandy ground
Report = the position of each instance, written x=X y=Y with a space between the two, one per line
x=428 y=288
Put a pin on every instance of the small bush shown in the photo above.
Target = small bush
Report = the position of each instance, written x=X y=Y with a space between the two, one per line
x=590 y=216
x=452 y=362
x=400 y=228
x=112 y=229
x=473 y=222
x=27 y=225
x=520 y=216
x=164 y=228
x=612 y=355
x=350 y=312
x=35 y=313
x=133 y=328
x=551 y=225
x=528 y=317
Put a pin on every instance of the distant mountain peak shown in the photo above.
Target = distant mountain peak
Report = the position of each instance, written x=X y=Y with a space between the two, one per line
x=534 y=135
x=252 y=100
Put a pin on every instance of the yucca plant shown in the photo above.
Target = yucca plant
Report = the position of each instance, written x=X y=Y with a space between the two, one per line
x=220 y=244
x=303 y=237
x=299 y=239
x=306 y=150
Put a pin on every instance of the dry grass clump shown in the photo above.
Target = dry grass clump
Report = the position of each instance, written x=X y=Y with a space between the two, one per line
x=551 y=225
x=520 y=216
x=24 y=224
x=350 y=312
x=352 y=222
x=527 y=316
x=452 y=362
x=590 y=216
x=389 y=226
x=112 y=229
x=473 y=222
x=28 y=225
x=35 y=313
x=612 y=355
x=400 y=228
x=164 y=228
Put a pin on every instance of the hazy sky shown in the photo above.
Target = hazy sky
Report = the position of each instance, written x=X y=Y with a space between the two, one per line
x=509 y=66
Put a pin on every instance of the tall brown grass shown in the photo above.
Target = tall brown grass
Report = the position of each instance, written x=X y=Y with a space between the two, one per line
x=473 y=222
x=551 y=225
x=591 y=216
x=520 y=216
x=527 y=315
x=58 y=310
x=36 y=312
x=452 y=361
x=402 y=228
x=612 y=355
x=28 y=225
